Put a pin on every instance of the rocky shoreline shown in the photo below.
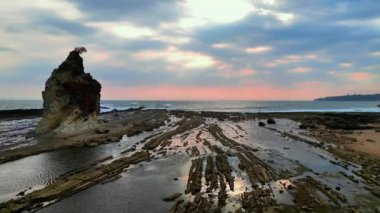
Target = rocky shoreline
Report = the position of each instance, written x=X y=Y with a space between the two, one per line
x=20 y=114
x=239 y=161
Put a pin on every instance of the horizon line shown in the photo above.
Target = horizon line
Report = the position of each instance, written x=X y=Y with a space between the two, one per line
x=32 y=99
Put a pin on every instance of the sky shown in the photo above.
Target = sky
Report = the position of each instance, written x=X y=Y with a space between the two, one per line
x=195 y=49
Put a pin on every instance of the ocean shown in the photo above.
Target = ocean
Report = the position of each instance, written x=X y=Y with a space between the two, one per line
x=220 y=106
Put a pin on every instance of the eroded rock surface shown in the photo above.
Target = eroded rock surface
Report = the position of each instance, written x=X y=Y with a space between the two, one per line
x=71 y=98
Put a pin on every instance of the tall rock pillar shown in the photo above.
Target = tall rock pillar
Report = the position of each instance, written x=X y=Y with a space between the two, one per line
x=71 y=98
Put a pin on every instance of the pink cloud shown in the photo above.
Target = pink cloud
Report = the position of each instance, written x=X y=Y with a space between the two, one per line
x=302 y=91
x=100 y=57
x=361 y=76
x=300 y=70
x=246 y=72
x=292 y=59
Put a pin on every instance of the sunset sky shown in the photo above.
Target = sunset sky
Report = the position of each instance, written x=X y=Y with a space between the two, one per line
x=195 y=49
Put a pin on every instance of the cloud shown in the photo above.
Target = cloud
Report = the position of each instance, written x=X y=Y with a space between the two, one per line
x=5 y=49
x=178 y=58
x=25 y=10
x=140 y=12
x=246 y=72
x=123 y=29
x=288 y=59
x=55 y=25
x=214 y=11
x=283 y=17
x=362 y=76
x=221 y=45
x=303 y=91
x=258 y=49
x=345 y=65
x=300 y=70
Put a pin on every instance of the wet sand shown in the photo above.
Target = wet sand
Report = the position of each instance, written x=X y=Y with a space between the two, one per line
x=205 y=162
x=366 y=141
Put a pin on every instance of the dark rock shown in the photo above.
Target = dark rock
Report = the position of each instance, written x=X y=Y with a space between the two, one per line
x=20 y=113
x=71 y=98
x=172 y=197
x=21 y=193
x=261 y=124
x=113 y=139
x=128 y=150
x=377 y=210
x=371 y=141
x=175 y=179
x=91 y=144
x=337 y=188
x=291 y=187
x=136 y=109
x=102 y=131
x=103 y=121
x=307 y=126
x=271 y=121
x=29 y=135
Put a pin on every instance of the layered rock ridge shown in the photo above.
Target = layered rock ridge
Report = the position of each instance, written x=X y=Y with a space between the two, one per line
x=71 y=98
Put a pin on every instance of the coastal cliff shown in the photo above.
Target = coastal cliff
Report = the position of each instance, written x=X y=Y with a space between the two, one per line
x=71 y=98
x=356 y=97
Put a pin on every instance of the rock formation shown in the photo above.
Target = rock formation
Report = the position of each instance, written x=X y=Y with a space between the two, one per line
x=71 y=98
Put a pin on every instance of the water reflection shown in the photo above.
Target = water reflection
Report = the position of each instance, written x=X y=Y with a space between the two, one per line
x=142 y=187
x=35 y=171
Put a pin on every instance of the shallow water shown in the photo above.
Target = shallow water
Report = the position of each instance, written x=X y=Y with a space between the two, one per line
x=38 y=170
x=301 y=152
x=288 y=154
x=141 y=188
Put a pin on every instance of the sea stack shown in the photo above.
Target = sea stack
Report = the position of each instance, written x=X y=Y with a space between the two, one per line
x=71 y=98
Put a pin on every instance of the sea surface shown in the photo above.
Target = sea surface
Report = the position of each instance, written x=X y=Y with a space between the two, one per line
x=220 y=106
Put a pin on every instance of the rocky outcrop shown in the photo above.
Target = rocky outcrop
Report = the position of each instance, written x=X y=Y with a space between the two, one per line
x=271 y=121
x=71 y=98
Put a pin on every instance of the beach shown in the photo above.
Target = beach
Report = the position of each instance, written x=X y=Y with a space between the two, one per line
x=190 y=106
x=195 y=161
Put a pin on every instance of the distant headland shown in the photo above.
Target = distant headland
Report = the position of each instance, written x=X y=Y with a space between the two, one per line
x=354 y=97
